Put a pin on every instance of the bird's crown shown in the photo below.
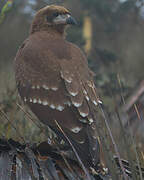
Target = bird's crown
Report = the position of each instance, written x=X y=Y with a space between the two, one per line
x=49 y=10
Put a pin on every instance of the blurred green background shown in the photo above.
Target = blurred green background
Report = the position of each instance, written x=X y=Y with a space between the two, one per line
x=110 y=32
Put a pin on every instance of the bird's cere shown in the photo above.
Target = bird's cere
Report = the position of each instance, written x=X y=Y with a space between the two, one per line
x=71 y=20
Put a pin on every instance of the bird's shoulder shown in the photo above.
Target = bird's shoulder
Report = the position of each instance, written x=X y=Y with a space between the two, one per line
x=77 y=53
x=43 y=47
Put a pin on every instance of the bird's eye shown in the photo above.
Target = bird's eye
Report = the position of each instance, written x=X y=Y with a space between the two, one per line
x=55 y=14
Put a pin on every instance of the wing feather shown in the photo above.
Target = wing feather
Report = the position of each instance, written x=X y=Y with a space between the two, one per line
x=59 y=80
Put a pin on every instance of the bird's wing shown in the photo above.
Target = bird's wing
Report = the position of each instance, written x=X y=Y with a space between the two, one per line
x=79 y=83
x=57 y=76
x=80 y=86
x=37 y=73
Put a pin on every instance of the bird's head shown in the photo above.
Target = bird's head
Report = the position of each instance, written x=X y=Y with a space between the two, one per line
x=52 y=18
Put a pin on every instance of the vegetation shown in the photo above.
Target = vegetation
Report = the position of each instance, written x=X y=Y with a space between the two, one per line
x=114 y=47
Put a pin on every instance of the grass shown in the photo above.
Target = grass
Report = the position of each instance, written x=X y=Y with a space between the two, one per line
x=18 y=123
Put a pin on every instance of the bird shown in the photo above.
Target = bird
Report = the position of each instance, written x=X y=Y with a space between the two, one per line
x=54 y=80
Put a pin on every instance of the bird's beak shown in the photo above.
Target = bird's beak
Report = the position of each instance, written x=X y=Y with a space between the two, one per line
x=71 y=20
x=65 y=19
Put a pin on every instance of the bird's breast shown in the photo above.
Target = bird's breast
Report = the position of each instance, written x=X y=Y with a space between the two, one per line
x=58 y=47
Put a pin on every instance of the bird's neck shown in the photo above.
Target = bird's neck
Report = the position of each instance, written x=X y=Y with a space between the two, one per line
x=57 y=30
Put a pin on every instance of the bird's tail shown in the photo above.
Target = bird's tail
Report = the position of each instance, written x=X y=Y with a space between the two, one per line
x=89 y=151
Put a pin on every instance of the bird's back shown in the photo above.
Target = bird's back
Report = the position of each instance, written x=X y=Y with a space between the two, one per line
x=53 y=78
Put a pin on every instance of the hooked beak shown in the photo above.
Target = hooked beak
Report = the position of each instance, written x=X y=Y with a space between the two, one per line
x=65 y=19
x=71 y=20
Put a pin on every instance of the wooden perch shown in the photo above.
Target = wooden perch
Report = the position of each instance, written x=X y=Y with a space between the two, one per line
x=39 y=162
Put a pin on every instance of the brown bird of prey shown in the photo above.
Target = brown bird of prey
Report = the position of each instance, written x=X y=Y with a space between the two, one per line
x=54 y=80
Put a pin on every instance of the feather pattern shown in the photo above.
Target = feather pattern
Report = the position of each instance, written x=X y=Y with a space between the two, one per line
x=54 y=80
